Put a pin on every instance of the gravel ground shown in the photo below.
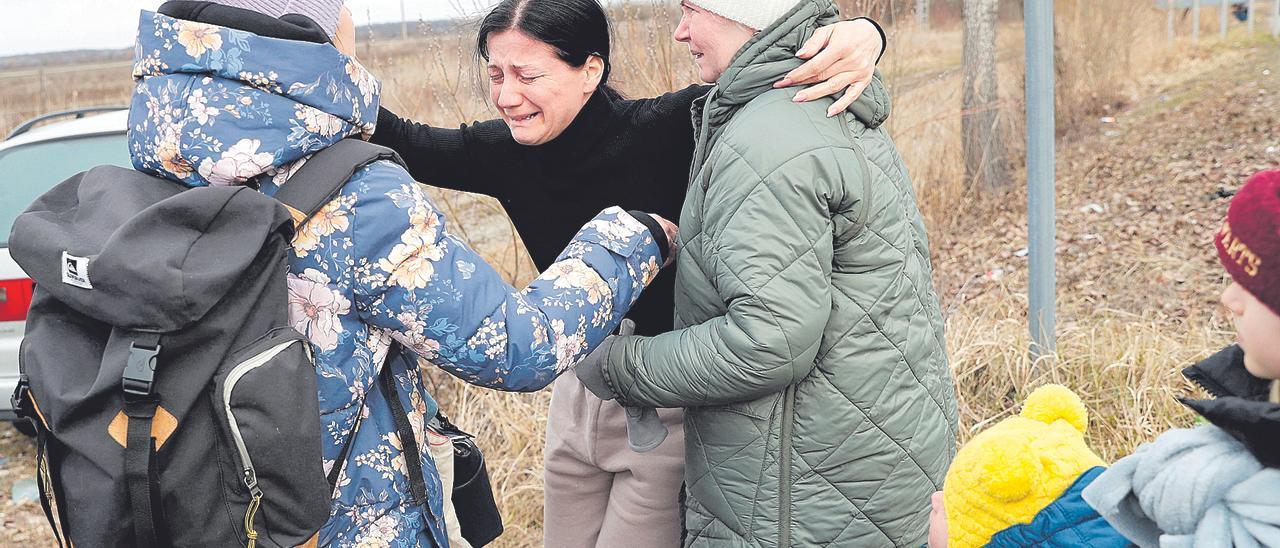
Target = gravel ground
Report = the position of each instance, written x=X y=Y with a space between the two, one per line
x=22 y=523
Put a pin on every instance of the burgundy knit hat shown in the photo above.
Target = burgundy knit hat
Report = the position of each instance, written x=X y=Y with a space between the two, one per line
x=1249 y=242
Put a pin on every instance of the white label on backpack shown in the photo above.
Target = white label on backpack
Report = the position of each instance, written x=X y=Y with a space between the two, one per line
x=75 y=270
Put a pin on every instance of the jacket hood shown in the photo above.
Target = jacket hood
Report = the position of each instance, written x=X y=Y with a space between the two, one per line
x=219 y=106
x=1240 y=407
x=770 y=55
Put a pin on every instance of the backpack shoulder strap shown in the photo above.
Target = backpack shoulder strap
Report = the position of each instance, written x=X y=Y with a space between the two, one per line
x=320 y=179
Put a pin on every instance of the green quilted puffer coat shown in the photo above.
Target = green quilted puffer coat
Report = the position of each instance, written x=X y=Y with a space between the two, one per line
x=809 y=351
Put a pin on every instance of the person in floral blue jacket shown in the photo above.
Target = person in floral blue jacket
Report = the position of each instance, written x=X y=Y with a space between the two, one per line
x=219 y=106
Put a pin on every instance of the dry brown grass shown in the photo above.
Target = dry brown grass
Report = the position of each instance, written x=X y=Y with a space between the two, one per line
x=1123 y=362
x=1124 y=366
x=28 y=93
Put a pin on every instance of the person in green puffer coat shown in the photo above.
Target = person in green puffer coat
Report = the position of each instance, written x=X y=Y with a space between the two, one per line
x=808 y=351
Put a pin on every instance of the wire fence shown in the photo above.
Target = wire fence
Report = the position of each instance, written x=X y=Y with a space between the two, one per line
x=30 y=92
x=1192 y=17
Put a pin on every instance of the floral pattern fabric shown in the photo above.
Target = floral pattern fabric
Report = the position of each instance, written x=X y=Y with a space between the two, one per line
x=377 y=265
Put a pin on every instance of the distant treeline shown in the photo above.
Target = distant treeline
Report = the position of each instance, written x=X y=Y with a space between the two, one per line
x=380 y=31
x=885 y=11
x=76 y=57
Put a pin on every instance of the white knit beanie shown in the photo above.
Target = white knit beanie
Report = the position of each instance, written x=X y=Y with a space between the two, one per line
x=323 y=12
x=755 y=14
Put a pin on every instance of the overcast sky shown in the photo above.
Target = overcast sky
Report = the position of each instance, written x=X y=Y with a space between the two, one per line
x=30 y=26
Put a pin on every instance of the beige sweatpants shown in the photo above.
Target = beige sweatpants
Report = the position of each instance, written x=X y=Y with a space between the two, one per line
x=600 y=493
x=441 y=451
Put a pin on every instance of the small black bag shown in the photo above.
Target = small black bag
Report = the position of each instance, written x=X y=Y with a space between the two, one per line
x=472 y=494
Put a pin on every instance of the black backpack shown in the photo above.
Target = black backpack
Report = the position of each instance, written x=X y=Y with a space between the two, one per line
x=174 y=404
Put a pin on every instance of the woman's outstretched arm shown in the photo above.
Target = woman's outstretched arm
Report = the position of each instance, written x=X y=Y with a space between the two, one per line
x=445 y=157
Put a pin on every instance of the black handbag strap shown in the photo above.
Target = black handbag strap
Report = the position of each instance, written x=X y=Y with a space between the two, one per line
x=448 y=429
x=408 y=442
x=43 y=472
x=322 y=177
x=341 y=461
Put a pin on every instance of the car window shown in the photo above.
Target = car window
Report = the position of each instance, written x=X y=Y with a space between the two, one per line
x=28 y=171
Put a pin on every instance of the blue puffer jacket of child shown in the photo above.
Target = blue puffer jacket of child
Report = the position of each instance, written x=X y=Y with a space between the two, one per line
x=1068 y=522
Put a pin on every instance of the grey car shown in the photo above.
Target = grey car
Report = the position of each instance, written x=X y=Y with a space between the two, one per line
x=33 y=160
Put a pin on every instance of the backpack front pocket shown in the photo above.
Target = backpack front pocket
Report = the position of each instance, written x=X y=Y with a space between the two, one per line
x=266 y=401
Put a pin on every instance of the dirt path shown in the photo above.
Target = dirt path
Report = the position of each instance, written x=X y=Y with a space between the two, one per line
x=1140 y=195
x=1140 y=198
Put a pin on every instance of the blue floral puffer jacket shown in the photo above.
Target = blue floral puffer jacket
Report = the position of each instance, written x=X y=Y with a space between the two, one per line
x=217 y=106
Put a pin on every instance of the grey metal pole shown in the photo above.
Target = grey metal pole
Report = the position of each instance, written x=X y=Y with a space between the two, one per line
x=1038 y=27
x=1169 y=22
x=404 y=23
x=1195 y=22
x=1275 y=18
x=1253 y=6
x=1222 y=19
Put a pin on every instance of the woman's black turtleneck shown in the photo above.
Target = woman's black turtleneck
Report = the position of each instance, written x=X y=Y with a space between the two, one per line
x=629 y=153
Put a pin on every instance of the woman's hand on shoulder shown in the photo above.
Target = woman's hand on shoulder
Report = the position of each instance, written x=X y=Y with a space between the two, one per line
x=673 y=232
x=840 y=57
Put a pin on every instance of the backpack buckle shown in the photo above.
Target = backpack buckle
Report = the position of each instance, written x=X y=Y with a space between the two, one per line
x=21 y=395
x=139 y=372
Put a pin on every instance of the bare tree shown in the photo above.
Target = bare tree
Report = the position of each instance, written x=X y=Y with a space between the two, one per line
x=922 y=13
x=986 y=161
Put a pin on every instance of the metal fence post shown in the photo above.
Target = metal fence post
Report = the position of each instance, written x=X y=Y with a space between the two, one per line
x=1169 y=23
x=1038 y=24
x=1275 y=18
x=404 y=23
x=44 y=95
x=1195 y=22
x=1253 y=6
x=1222 y=19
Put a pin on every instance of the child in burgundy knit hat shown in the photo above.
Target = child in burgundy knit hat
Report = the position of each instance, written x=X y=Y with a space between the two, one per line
x=1249 y=248
x=1218 y=484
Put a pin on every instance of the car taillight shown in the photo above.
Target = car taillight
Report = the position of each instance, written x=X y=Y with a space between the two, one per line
x=15 y=298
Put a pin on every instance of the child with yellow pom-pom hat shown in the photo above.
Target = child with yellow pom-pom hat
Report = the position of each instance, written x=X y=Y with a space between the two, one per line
x=1019 y=482
x=1031 y=480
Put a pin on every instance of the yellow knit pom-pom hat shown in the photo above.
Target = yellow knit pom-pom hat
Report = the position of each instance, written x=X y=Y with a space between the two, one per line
x=1007 y=474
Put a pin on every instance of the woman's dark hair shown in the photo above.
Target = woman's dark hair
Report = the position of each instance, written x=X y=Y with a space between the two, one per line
x=577 y=29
